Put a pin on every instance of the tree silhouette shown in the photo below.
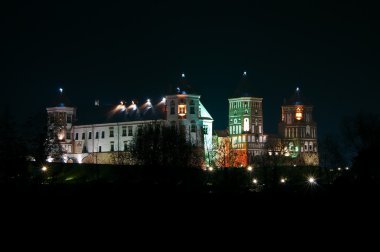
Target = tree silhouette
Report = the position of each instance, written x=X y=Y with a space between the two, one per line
x=362 y=135
x=12 y=151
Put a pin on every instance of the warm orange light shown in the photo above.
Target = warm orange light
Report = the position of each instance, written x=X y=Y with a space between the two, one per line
x=299 y=114
x=182 y=110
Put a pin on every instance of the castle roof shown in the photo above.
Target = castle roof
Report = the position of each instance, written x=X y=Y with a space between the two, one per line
x=61 y=100
x=120 y=113
x=297 y=99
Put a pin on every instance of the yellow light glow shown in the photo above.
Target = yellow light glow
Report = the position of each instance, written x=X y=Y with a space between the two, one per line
x=44 y=169
x=299 y=114
x=249 y=168
x=182 y=110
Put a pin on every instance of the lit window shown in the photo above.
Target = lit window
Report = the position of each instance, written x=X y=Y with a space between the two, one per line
x=182 y=110
x=299 y=115
x=246 y=124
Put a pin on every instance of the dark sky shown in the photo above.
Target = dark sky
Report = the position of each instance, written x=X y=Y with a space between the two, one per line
x=124 y=50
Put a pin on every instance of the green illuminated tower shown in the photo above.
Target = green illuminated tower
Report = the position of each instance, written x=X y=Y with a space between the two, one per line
x=246 y=127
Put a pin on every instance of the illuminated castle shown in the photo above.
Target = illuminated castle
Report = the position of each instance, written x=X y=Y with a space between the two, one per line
x=298 y=130
x=112 y=129
x=246 y=139
x=246 y=127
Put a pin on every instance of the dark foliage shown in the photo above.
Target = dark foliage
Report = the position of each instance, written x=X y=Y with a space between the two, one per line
x=362 y=137
x=156 y=145
x=12 y=151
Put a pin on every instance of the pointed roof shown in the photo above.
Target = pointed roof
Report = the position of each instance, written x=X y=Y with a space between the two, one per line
x=61 y=100
x=183 y=86
x=204 y=113
x=297 y=99
x=244 y=89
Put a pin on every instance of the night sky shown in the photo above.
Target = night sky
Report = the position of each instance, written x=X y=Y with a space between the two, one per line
x=124 y=50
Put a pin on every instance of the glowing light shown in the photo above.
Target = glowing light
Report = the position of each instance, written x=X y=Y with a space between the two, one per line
x=61 y=90
x=283 y=180
x=181 y=110
x=246 y=124
x=255 y=181
x=347 y=168
x=339 y=168
x=297 y=89
x=210 y=169
x=245 y=74
x=311 y=180
x=299 y=114
x=249 y=168
x=183 y=75
x=44 y=169
x=148 y=101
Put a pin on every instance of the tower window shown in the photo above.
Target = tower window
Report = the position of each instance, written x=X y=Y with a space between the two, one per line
x=69 y=119
x=182 y=110
x=299 y=114
x=193 y=128
x=205 y=129
x=130 y=131
x=172 y=108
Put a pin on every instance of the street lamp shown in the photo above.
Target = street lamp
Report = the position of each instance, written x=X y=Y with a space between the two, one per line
x=311 y=180
x=44 y=169
x=249 y=168
x=255 y=181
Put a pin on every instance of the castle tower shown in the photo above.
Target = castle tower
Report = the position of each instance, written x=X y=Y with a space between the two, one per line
x=246 y=128
x=185 y=111
x=298 y=130
x=61 y=117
